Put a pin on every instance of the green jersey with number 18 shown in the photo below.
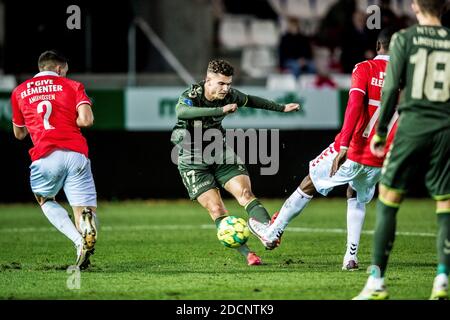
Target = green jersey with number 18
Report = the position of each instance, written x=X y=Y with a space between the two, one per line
x=420 y=65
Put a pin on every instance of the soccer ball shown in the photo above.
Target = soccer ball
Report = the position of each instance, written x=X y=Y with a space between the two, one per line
x=233 y=232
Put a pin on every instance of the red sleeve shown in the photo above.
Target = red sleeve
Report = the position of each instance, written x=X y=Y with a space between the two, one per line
x=355 y=105
x=17 y=116
x=82 y=97
x=355 y=108
x=359 y=78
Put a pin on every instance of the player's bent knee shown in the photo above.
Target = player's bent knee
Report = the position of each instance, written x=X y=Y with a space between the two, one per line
x=216 y=210
x=307 y=186
x=246 y=196
x=351 y=193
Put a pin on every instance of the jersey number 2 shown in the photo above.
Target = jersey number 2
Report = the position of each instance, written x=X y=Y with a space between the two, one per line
x=48 y=112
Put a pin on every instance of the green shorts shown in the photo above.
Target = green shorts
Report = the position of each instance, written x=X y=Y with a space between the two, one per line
x=412 y=153
x=199 y=176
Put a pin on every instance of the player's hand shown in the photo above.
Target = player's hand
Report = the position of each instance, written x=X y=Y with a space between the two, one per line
x=229 y=108
x=377 y=146
x=291 y=107
x=338 y=161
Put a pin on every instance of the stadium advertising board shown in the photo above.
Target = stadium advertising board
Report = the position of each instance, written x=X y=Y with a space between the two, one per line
x=154 y=109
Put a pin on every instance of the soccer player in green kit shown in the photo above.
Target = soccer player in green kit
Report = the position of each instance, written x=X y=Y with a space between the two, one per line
x=420 y=67
x=203 y=106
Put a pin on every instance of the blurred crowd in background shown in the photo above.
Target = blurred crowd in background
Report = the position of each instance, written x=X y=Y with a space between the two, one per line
x=304 y=37
x=284 y=42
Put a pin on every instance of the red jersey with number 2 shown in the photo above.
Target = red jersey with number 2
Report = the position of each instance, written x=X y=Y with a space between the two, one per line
x=361 y=118
x=47 y=106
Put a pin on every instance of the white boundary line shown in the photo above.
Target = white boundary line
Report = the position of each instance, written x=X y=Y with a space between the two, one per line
x=205 y=226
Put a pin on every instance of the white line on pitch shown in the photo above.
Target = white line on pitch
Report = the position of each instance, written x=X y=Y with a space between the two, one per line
x=204 y=226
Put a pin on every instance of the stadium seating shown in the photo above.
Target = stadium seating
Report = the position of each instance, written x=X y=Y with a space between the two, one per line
x=258 y=61
x=233 y=32
x=281 y=81
x=264 y=33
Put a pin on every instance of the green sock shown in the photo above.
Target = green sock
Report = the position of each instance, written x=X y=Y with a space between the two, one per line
x=257 y=211
x=443 y=243
x=244 y=250
x=217 y=221
x=384 y=235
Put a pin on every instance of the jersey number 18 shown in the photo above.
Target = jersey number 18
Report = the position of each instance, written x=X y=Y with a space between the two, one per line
x=431 y=75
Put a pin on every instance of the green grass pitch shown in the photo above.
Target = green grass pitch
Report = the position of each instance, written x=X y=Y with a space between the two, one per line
x=169 y=250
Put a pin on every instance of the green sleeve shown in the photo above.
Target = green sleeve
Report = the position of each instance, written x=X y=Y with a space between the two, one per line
x=261 y=103
x=243 y=100
x=392 y=83
x=185 y=110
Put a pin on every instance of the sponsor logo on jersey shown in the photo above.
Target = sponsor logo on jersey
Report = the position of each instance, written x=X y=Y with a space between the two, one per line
x=188 y=102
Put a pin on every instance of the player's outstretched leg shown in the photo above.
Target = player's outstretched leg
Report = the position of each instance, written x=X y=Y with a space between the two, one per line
x=292 y=207
x=356 y=212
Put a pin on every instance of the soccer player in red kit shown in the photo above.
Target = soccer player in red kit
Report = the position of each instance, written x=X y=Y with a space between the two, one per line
x=52 y=109
x=347 y=160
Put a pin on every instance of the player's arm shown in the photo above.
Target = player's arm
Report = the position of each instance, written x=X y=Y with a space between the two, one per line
x=261 y=103
x=20 y=132
x=244 y=100
x=85 y=117
x=354 y=110
x=355 y=104
x=392 y=83
x=19 y=128
x=186 y=110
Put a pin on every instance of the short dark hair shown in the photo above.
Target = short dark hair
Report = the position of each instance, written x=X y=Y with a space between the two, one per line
x=433 y=7
x=51 y=58
x=384 y=37
x=220 y=66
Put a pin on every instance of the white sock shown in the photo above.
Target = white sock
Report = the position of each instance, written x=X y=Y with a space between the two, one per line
x=356 y=213
x=292 y=207
x=440 y=281
x=59 y=218
x=375 y=283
